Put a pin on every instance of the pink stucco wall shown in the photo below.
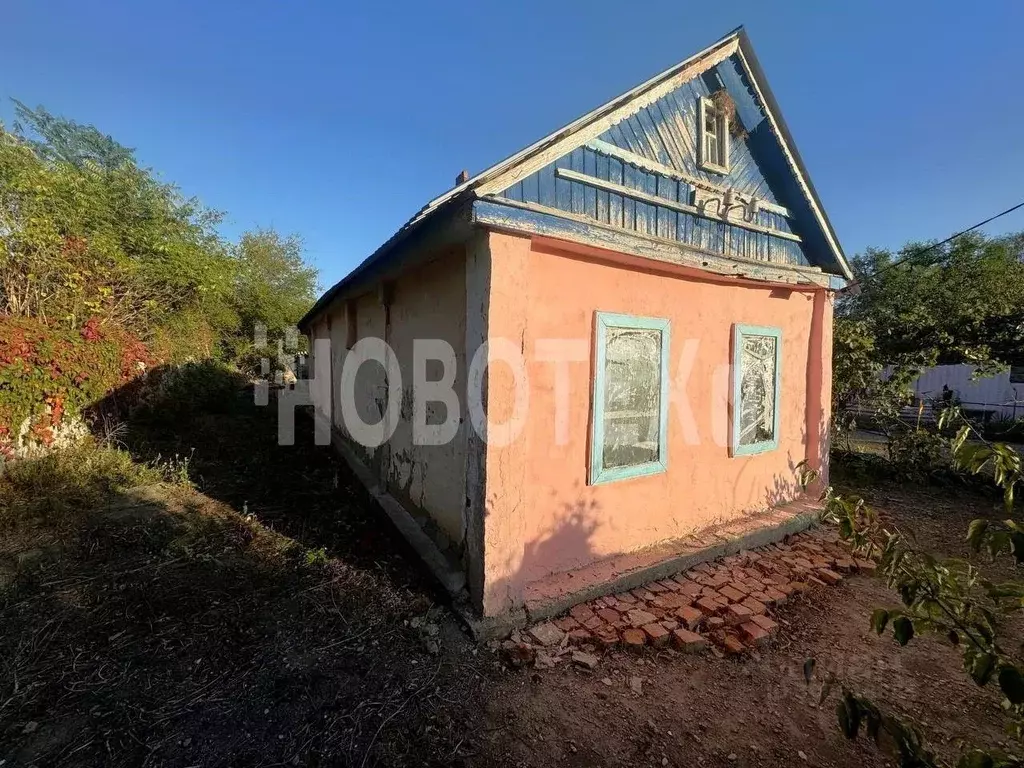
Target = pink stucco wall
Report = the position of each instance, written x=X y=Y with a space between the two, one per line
x=541 y=515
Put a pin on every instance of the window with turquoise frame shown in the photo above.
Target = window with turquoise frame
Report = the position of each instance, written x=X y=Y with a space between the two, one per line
x=630 y=397
x=756 y=366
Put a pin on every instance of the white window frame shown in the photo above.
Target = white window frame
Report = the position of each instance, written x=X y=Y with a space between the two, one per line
x=707 y=107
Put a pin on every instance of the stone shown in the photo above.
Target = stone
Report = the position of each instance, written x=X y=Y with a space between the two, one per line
x=546 y=634
x=688 y=642
x=689 y=616
x=796 y=587
x=633 y=639
x=638 y=617
x=30 y=727
x=518 y=655
x=753 y=634
x=636 y=685
x=544 y=660
x=656 y=634
x=588 y=660
x=736 y=613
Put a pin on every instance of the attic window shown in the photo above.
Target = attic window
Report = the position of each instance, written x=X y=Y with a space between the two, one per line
x=713 y=137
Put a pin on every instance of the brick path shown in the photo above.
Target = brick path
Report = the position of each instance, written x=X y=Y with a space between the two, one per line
x=727 y=602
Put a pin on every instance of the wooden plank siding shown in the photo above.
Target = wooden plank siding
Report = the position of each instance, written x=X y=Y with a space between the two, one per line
x=665 y=132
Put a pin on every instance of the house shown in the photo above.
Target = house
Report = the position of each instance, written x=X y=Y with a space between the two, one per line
x=600 y=353
x=999 y=396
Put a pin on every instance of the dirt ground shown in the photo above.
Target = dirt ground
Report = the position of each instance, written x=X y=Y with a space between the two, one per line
x=180 y=627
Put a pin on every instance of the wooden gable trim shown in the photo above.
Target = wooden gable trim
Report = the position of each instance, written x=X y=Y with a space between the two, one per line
x=646 y=197
x=578 y=136
x=533 y=219
x=794 y=167
x=628 y=156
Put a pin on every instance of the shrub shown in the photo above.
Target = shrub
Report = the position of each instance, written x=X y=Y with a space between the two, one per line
x=48 y=373
x=917 y=452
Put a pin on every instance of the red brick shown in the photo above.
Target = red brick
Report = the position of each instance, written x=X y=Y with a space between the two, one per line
x=669 y=585
x=844 y=565
x=670 y=624
x=775 y=596
x=594 y=623
x=610 y=615
x=606 y=637
x=737 y=613
x=641 y=594
x=633 y=639
x=764 y=622
x=655 y=588
x=690 y=616
x=700 y=568
x=714 y=622
x=730 y=593
x=626 y=598
x=566 y=623
x=732 y=645
x=688 y=642
x=755 y=605
x=828 y=576
x=753 y=634
x=582 y=613
x=657 y=635
x=719 y=580
x=673 y=600
x=690 y=589
x=802 y=562
x=637 y=618
x=868 y=566
x=798 y=586
x=761 y=597
x=707 y=605
x=579 y=636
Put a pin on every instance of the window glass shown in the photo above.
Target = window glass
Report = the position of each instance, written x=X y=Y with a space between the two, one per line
x=632 y=397
x=755 y=418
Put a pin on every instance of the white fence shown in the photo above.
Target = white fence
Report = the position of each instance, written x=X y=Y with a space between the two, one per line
x=1001 y=394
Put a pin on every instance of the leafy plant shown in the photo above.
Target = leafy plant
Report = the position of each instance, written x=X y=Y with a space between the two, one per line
x=946 y=597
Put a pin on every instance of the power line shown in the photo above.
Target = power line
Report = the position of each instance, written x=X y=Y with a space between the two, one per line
x=937 y=245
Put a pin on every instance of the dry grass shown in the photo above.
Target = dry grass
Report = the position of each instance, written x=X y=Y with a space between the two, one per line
x=147 y=623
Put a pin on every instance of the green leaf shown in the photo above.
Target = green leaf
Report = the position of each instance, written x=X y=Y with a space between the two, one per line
x=879 y=620
x=903 y=630
x=980 y=666
x=1011 y=682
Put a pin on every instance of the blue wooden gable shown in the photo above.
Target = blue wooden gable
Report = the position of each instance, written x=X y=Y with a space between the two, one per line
x=620 y=178
x=627 y=176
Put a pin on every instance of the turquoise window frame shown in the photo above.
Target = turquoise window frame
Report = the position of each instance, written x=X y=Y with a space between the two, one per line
x=738 y=332
x=602 y=322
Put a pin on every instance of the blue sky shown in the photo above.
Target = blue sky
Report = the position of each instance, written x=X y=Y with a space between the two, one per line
x=338 y=123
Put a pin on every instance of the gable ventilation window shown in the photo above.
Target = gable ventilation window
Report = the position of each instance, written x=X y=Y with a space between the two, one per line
x=629 y=431
x=713 y=137
x=757 y=361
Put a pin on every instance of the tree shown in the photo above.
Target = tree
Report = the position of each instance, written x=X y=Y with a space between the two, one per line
x=962 y=302
x=273 y=285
